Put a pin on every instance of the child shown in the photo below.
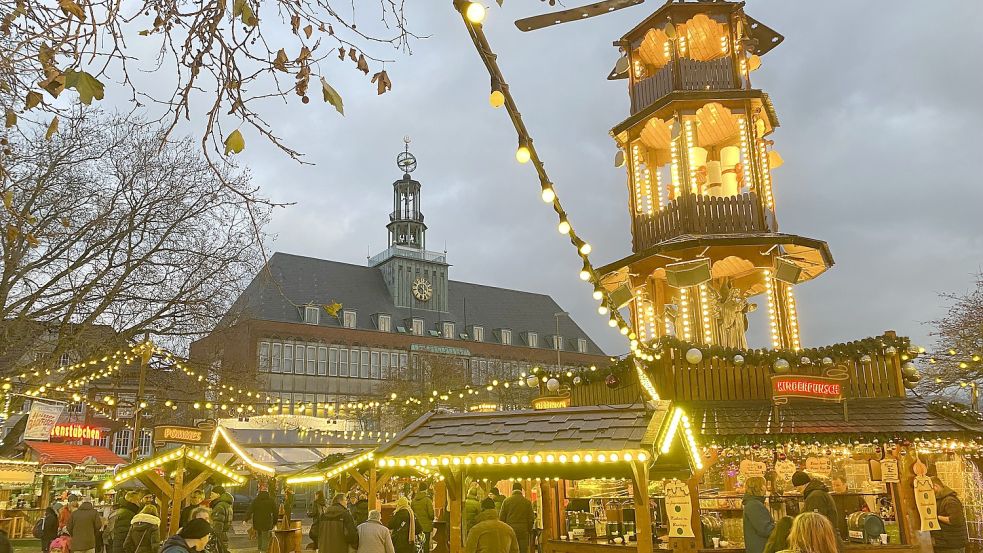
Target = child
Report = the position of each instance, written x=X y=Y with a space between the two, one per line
x=61 y=544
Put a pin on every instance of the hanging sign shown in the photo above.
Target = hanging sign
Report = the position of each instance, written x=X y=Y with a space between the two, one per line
x=76 y=431
x=57 y=469
x=925 y=501
x=889 y=470
x=95 y=470
x=751 y=469
x=785 y=469
x=823 y=388
x=819 y=465
x=165 y=434
x=41 y=420
x=679 y=509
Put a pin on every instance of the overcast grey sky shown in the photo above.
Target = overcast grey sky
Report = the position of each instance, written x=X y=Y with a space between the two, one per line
x=880 y=131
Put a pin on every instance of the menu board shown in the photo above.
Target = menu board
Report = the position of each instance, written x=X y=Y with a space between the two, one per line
x=679 y=509
x=785 y=469
x=889 y=470
x=751 y=469
x=819 y=465
x=925 y=501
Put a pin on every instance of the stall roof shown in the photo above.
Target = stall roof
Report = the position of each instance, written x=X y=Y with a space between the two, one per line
x=279 y=451
x=906 y=416
x=48 y=452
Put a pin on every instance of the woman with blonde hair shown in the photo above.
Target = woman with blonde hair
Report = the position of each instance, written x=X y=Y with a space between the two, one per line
x=758 y=522
x=813 y=533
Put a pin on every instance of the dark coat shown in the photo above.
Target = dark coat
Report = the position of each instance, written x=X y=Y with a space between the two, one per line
x=264 y=512
x=400 y=526
x=336 y=530
x=175 y=544
x=953 y=535
x=144 y=534
x=49 y=528
x=472 y=507
x=83 y=526
x=490 y=535
x=422 y=507
x=222 y=517
x=119 y=525
x=359 y=511
x=5 y=546
x=758 y=524
x=817 y=498
x=517 y=512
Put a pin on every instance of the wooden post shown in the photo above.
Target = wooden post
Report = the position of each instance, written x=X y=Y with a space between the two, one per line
x=373 y=487
x=550 y=528
x=455 y=491
x=643 y=517
x=907 y=511
x=174 y=520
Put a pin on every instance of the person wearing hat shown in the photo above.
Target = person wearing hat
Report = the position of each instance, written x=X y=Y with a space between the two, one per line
x=336 y=528
x=489 y=534
x=472 y=507
x=517 y=512
x=84 y=524
x=144 y=534
x=193 y=537
x=373 y=536
x=221 y=516
x=952 y=535
x=403 y=526
x=119 y=521
x=423 y=511
x=815 y=496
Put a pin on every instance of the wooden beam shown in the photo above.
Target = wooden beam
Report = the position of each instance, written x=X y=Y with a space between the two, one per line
x=373 y=487
x=194 y=484
x=157 y=483
x=643 y=516
x=174 y=520
x=454 y=479
x=358 y=478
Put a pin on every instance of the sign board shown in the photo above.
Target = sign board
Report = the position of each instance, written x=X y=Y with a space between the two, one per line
x=679 y=509
x=93 y=470
x=819 y=465
x=785 y=469
x=41 y=420
x=76 y=431
x=822 y=388
x=442 y=350
x=751 y=469
x=925 y=501
x=57 y=469
x=889 y=470
x=181 y=435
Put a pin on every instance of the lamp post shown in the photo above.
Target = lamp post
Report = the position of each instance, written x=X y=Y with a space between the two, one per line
x=556 y=337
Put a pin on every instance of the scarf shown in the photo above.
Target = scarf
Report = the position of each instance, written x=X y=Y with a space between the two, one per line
x=412 y=532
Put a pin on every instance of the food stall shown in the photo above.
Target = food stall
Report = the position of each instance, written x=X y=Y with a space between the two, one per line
x=601 y=477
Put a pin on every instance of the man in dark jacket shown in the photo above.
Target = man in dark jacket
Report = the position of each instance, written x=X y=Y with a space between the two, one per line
x=263 y=511
x=221 y=517
x=83 y=526
x=952 y=535
x=336 y=528
x=489 y=534
x=193 y=537
x=359 y=508
x=816 y=496
x=119 y=521
x=517 y=512
x=422 y=507
x=196 y=500
x=49 y=527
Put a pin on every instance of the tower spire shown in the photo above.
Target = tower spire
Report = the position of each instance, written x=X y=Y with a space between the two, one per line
x=406 y=227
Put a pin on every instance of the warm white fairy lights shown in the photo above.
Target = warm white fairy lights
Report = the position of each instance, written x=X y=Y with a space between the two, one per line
x=705 y=315
x=517 y=458
x=765 y=173
x=745 y=147
x=674 y=173
x=694 y=187
x=723 y=44
x=793 y=318
x=776 y=336
x=684 y=312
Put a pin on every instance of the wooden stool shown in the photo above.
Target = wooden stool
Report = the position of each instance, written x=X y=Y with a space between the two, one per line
x=17 y=527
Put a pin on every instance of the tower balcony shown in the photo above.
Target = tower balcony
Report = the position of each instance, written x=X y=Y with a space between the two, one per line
x=715 y=74
x=408 y=253
x=415 y=217
x=698 y=215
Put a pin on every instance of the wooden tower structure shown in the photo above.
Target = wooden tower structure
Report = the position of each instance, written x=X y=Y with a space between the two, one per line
x=699 y=158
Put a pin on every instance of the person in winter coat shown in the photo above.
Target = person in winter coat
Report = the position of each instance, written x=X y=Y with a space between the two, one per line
x=5 y=546
x=779 y=536
x=66 y=512
x=422 y=507
x=812 y=532
x=196 y=500
x=816 y=496
x=336 y=528
x=358 y=506
x=192 y=538
x=758 y=522
x=144 y=534
x=49 y=527
x=472 y=507
x=403 y=526
x=83 y=525
x=221 y=516
x=517 y=512
x=952 y=535
x=373 y=536
x=489 y=534
x=497 y=497
x=119 y=522
x=263 y=511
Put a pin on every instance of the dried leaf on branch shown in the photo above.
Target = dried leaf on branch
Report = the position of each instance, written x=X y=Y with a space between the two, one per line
x=382 y=82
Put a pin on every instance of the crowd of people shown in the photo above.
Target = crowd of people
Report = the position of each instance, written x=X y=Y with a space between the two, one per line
x=817 y=528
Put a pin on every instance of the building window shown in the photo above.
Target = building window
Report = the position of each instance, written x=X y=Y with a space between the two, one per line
x=299 y=359
x=581 y=345
x=322 y=361
x=333 y=362
x=374 y=366
x=103 y=440
x=65 y=360
x=384 y=371
x=121 y=445
x=365 y=364
x=506 y=337
x=418 y=327
x=532 y=339
x=448 y=330
x=385 y=323
x=311 y=360
x=343 y=371
x=311 y=314
x=288 y=358
x=558 y=342
x=349 y=319
x=478 y=333
x=276 y=357
x=76 y=408
x=264 y=357
x=146 y=444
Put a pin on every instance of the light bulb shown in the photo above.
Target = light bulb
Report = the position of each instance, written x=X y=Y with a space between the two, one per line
x=612 y=323
x=584 y=275
x=548 y=195
x=563 y=227
x=522 y=154
x=602 y=310
x=475 y=13
x=598 y=293
x=496 y=98
x=624 y=330
x=585 y=249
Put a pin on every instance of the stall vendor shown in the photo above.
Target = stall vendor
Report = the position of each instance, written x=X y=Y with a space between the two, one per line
x=846 y=503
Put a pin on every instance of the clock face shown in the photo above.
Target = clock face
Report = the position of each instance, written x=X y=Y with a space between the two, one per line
x=422 y=290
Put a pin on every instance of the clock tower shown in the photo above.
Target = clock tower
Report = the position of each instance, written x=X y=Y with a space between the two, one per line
x=416 y=278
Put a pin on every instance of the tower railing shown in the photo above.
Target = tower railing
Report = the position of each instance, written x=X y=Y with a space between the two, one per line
x=715 y=74
x=693 y=214
x=411 y=253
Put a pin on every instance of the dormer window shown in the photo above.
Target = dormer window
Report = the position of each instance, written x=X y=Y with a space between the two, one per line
x=385 y=323
x=557 y=342
x=417 y=327
x=447 y=329
x=478 y=333
x=312 y=314
x=505 y=336
x=532 y=339
x=348 y=319
x=581 y=345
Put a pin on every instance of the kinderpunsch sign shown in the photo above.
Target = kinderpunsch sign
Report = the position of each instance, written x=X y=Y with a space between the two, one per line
x=823 y=388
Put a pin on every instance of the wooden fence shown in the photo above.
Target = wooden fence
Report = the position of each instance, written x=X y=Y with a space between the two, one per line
x=692 y=214
x=694 y=75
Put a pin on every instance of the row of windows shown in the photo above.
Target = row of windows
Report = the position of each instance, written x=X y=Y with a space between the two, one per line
x=322 y=360
x=446 y=329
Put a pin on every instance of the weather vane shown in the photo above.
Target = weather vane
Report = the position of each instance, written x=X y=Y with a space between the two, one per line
x=405 y=160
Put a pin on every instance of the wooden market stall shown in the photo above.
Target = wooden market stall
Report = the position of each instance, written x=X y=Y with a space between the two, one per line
x=633 y=452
